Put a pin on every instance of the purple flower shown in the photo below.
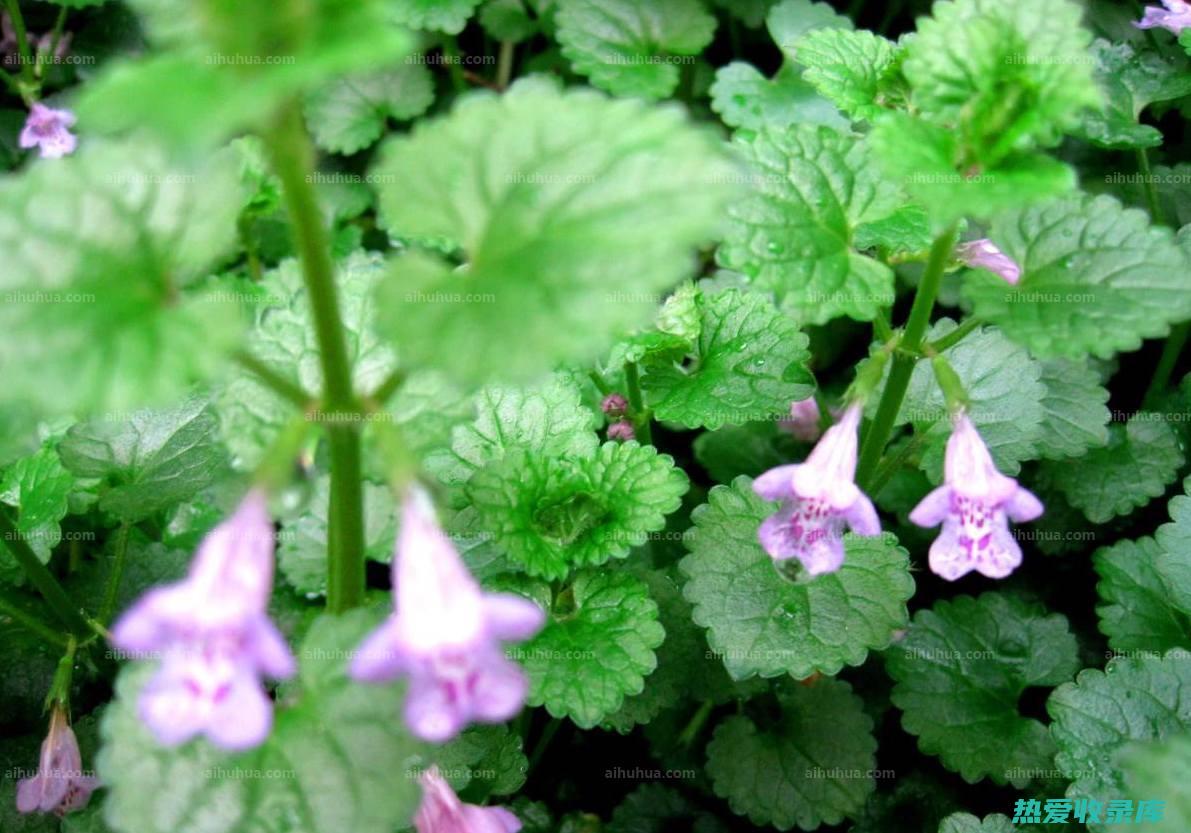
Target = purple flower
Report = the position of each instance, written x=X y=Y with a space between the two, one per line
x=214 y=638
x=445 y=634
x=614 y=405
x=441 y=811
x=974 y=504
x=984 y=254
x=46 y=128
x=1176 y=16
x=819 y=497
x=60 y=784
x=621 y=430
x=804 y=419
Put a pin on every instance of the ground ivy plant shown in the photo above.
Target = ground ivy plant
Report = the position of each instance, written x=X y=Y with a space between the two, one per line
x=471 y=416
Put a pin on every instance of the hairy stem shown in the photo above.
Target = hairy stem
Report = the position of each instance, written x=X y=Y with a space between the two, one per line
x=877 y=436
x=641 y=416
x=293 y=160
x=18 y=28
x=63 y=606
x=113 y=588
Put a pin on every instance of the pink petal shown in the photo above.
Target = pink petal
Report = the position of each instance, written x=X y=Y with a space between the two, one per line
x=380 y=658
x=947 y=559
x=243 y=718
x=933 y=508
x=861 y=517
x=429 y=712
x=1023 y=506
x=500 y=690
x=512 y=618
x=487 y=820
x=270 y=650
x=776 y=484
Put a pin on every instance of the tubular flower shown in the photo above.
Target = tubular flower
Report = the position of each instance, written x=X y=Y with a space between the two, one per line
x=803 y=423
x=213 y=637
x=60 y=784
x=974 y=505
x=445 y=634
x=441 y=811
x=1175 y=17
x=984 y=254
x=819 y=498
x=48 y=130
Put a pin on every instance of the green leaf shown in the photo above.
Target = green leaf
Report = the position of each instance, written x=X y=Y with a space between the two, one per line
x=792 y=235
x=749 y=449
x=104 y=253
x=1093 y=718
x=231 y=67
x=852 y=69
x=1075 y=410
x=484 y=761
x=146 y=564
x=906 y=232
x=790 y=20
x=283 y=338
x=548 y=419
x=745 y=98
x=302 y=542
x=1137 y=611
x=39 y=487
x=785 y=774
x=1131 y=82
x=761 y=623
x=1004 y=75
x=927 y=160
x=967 y=823
x=1006 y=396
x=448 y=16
x=330 y=764
x=596 y=648
x=749 y=363
x=349 y=114
x=1141 y=459
x=1160 y=772
x=552 y=514
x=749 y=12
x=572 y=211
x=1174 y=538
x=1096 y=278
x=149 y=460
x=622 y=46
x=958 y=675
x=654 y=808
x=508 y=20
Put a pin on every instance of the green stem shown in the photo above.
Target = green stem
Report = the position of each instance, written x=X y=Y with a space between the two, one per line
x=1166 y=363
x=41 y=578
x=890 y=465
x=293 y=160
x=273 y=380
x=345 y=570
x=18 y=27
x=597 y=379
x=450 y=50
x=113 y=588
x=385 y=390
x=687 y=736
x=504 y=63
x=1151 y=192
x=539 y=748
x=955 y=336
x=59 y=693
x=55 y=38
x=877 y=436
x=641 y=416
x=10 y=608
